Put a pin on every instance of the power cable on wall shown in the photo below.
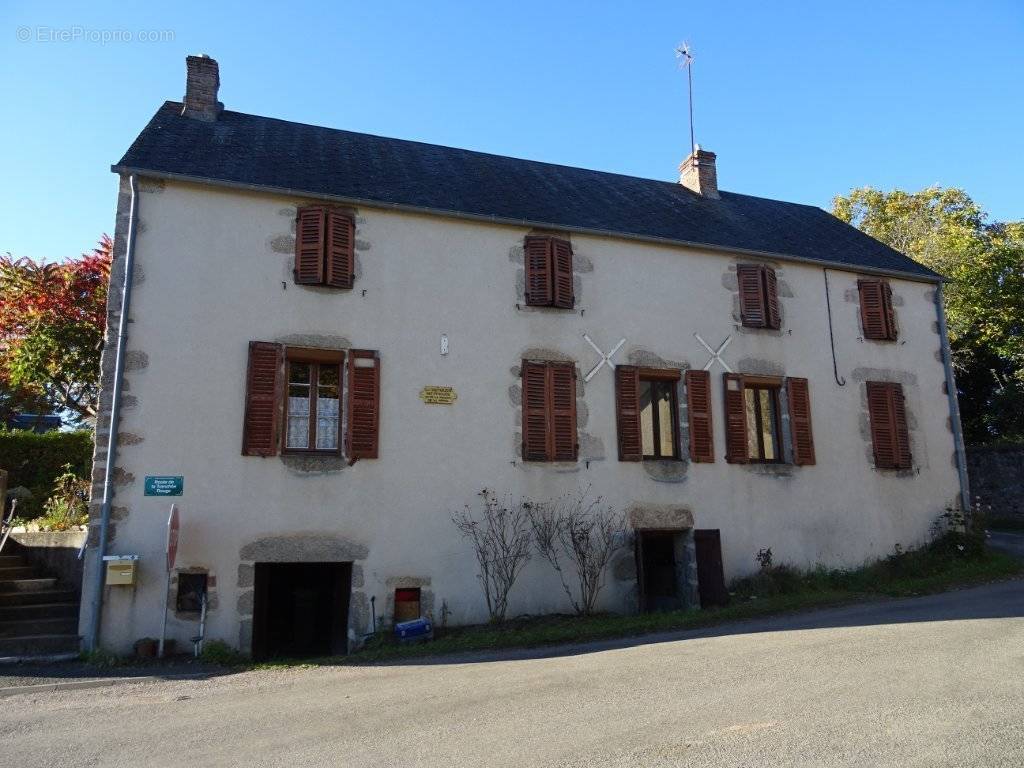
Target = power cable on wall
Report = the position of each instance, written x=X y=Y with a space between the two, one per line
x=841 y=381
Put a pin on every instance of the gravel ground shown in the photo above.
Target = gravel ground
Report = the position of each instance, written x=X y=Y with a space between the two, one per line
x=930 y=681
x=50 y=673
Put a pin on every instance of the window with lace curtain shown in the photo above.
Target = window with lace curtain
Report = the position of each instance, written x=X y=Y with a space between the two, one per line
x=312 y=412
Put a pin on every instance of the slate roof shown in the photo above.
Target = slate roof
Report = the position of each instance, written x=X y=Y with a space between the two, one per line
x=248 y=150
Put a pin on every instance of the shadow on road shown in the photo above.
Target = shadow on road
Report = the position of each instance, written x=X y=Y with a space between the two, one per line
x=1010 y=542
x=54 y=672
x=1001 y=600
x=991 y=601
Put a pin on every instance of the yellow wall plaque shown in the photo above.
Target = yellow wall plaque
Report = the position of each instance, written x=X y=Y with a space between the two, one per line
x=438 y=395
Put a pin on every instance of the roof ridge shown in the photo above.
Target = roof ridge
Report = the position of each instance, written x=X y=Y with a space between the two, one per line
x=481 y=153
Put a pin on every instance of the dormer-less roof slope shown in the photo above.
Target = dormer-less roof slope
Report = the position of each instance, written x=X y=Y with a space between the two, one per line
x=259 y=152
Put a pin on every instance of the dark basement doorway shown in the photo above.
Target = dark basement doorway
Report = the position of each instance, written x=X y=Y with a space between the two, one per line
x=656 y=565
x=300 y=610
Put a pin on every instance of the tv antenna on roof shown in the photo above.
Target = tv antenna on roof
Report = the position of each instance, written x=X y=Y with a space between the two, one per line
x=684 y=53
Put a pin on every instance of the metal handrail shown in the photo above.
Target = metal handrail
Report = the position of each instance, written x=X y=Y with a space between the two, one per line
x=8 y=524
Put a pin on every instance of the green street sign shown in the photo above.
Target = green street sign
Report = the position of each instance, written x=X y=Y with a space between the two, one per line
x=164 y=486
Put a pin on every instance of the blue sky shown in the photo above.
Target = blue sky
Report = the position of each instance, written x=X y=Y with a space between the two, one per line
x=801 y=101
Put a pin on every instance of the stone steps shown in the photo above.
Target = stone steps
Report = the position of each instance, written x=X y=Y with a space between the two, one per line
x=37 y=597
x=9 y=573
x=24 y=612
x=33 y=584
x=37 y=617
x=61 y=625
x=38 y=645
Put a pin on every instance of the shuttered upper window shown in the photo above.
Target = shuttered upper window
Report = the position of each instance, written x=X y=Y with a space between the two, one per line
x=876 y=313
x=889 y=434
x=548 y=272
x=304 y=390
x=761 y=407
x=753 y=419
x=647 y=413
x=759 y=296
x=324 y=247
x=313 y=402
x=549 y=411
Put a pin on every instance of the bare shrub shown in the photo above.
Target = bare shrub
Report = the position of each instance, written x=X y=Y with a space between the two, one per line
x=500 y=533
x=584 y=532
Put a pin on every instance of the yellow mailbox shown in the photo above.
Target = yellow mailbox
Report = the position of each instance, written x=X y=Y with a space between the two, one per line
x=121 y=569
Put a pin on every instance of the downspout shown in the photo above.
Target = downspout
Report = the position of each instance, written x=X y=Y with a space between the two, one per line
x=954 y=406
x=840 y=380
x=96 y=582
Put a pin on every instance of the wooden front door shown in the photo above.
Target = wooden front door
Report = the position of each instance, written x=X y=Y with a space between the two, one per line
x=710 y=573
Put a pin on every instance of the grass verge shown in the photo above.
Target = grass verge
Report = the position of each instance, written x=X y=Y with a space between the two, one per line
x=954 y=560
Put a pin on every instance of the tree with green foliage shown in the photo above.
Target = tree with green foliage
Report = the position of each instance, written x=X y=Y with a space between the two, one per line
x=52 y=321
x=944 y=229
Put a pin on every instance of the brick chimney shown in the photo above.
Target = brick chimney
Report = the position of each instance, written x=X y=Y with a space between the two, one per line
x=698 y=173
x=201 y=85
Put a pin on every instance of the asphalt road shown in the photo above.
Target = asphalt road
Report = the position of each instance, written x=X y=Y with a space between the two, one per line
x=1008 y=541
x=932 y=681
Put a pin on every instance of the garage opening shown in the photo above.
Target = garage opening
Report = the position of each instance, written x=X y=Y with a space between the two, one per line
x=659 y=555
x=300 y=609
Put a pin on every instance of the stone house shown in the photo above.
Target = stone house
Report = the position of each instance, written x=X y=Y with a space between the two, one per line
x=337 y=339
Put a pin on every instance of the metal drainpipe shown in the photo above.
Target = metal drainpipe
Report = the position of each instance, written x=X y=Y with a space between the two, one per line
x=954 y=406
x=96 y=584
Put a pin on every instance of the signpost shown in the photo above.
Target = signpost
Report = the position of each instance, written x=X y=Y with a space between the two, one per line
x=173 y=526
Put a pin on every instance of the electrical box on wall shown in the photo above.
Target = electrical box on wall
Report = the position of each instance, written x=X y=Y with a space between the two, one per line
x=121 y=569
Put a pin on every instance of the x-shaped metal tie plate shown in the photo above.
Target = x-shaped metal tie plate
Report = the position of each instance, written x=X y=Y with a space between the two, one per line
x=605 y=359
x=716 y=354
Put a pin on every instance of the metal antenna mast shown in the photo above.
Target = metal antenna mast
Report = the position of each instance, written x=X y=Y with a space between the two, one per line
x=683 y=52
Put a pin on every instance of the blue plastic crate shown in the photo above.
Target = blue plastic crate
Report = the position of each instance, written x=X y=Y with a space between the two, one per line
x=416 y=629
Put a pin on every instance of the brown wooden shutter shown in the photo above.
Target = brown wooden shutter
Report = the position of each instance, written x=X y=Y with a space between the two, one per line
x=535 y=411
x=881 y=413
x=340 y=253
x=263 y=398
x=735 y=419
x=562 y=388
x=883 y=440
x=698 y=408
x=538 y=271
x=890 y=313
x=872 y=309
x=363 y=418
x=309 y=245
x=752 y=308
x=561 y=268
x=627 y=412
x=798 y=397
x=899 y=410
x=773 y=317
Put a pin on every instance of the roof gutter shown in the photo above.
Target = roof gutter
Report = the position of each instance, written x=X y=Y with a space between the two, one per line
x=92 y=633
x=120 y=169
